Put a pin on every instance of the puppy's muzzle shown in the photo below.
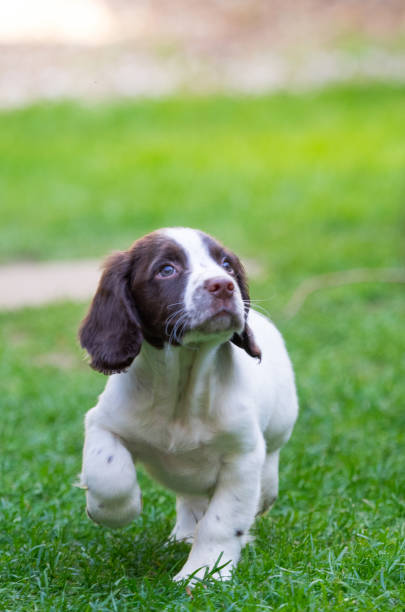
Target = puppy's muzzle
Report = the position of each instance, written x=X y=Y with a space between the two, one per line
x=220 y=288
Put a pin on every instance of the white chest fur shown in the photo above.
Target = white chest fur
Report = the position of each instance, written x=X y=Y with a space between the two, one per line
x=208 y=424
x=172 y=412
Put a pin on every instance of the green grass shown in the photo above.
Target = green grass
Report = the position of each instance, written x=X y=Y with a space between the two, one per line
x=304 y=184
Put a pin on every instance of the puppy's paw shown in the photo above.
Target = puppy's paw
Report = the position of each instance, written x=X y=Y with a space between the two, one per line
x=114 y=513
x=195 y=571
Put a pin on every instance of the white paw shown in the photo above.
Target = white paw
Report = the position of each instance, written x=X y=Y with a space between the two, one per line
x=196 y=571
x=114 y=513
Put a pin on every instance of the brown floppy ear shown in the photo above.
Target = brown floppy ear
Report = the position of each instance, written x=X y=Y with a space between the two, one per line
x=111 y=331
x=245 y=339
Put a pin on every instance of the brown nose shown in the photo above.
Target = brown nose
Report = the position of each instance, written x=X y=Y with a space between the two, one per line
x=221 y=288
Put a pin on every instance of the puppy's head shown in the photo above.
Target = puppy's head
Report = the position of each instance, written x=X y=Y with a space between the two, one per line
x=177 y=286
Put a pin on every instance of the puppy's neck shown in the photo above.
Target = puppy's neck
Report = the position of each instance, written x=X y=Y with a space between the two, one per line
x=178 y=362
x=180 y=377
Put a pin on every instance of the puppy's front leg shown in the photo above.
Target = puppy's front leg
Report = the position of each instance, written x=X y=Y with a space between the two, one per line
x=224 y=528
x=109 y=477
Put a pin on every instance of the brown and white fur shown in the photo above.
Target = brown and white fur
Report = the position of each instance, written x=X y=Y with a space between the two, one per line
x=201 y=393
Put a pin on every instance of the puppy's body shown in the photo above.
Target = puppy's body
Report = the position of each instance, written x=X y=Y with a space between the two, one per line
x=205 y=418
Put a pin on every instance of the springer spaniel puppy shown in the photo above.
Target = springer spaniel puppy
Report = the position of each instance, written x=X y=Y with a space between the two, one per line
x=201 y=393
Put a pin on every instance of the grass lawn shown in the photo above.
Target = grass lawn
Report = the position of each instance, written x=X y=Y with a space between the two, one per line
x=302 y=184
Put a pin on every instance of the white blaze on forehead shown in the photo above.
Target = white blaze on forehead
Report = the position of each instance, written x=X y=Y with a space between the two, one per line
x=197 y=252
x=202 y=266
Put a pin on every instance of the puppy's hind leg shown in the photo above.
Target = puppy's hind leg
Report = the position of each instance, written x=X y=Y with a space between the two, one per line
x=269 y=482
x=109 y=477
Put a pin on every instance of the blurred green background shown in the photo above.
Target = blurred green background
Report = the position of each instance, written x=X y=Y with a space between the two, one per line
x=304 y=183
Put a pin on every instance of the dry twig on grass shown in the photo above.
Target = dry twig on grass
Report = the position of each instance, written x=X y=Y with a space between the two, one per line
x=337 y=279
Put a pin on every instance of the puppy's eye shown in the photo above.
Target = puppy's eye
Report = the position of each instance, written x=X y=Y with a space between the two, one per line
x=166 y=271
x=226 y=264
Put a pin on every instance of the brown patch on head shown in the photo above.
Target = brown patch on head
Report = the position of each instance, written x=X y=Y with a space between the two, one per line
x=158 y=299
x=133 y=303
x=220 y=253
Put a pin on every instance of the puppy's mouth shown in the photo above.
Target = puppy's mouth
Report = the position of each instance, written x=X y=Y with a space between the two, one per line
x=223 y=312
x=222 y=319
x=207 y=317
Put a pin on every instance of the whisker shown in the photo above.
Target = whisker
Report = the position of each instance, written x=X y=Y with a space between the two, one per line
x=254 y=304
x=175 y=314
x=180 y=331
x=179 y=312
x=179 y=328
x=269 y=299
x=261 y=309
x=172 y=335
x=255 y=301
x=175 y=304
